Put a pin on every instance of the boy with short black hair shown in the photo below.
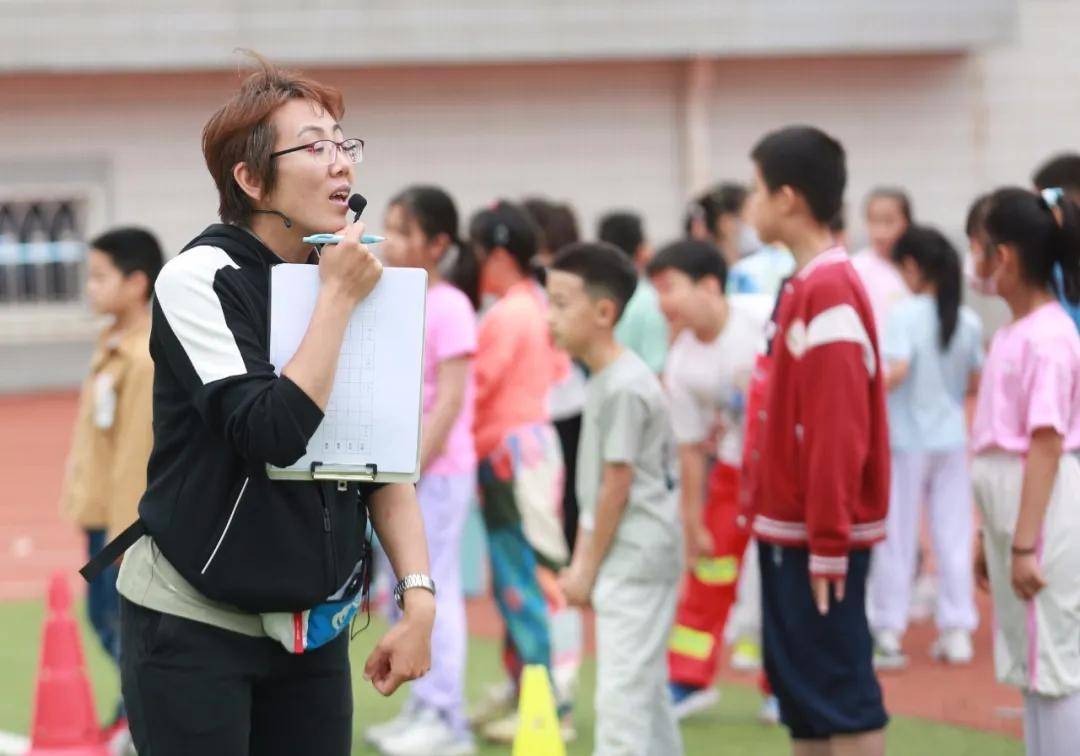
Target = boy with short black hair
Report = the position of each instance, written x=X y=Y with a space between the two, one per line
x=641 y=327
x=820 y=457
x=628 y=554
x=708 y=372
x=106 y=472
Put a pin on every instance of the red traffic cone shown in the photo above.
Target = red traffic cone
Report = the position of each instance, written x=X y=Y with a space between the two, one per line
x=65 y=721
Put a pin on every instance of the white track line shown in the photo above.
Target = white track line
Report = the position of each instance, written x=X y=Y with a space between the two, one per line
x=13 y=745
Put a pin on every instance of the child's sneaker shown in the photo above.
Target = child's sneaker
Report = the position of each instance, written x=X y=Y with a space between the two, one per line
x=769 y=713
x=690 y=699
x=376 y=734
x=746 y=655
x=117 y=738
x=427 y=734
x=498 y=701
x=953 y=647
x=887 y=653
x=503 y=731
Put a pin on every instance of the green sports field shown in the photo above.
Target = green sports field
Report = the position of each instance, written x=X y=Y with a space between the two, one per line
x=730 y=729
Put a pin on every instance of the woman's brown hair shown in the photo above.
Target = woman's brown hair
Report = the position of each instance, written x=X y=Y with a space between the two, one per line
x=241 y=130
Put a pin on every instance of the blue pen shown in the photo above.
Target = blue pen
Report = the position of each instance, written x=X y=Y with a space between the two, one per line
x=334 y=239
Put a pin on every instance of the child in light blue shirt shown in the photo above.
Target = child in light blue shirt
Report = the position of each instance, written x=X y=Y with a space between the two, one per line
x=932 y=352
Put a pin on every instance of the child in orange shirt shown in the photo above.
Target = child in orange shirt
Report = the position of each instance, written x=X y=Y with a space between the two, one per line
x=520 y=467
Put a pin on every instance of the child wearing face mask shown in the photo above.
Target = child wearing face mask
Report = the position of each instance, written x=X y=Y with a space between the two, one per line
x=1026 y=470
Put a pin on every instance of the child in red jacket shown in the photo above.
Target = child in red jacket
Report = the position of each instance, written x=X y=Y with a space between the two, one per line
x=821 y=452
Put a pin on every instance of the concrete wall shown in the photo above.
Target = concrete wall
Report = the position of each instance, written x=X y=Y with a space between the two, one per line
x=59 y=35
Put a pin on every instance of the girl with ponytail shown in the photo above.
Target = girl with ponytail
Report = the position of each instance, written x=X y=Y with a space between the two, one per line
x=933 y=350
x=1026 y=473
x=422 y=232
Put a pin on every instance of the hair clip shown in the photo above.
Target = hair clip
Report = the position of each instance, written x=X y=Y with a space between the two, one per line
x=1052 y=196
x=502 y=235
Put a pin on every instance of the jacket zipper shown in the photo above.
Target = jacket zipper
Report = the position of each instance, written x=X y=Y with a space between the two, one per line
x=228 y=523
x=331 y=567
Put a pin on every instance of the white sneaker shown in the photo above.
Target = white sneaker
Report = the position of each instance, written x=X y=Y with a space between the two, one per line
x=887 y=652
x=375 y=734
x=953 y=647
x=428 y=734
x=696 y=702
x=769 y=713
x=746 y=655
x=498 y=701
x=503 y=731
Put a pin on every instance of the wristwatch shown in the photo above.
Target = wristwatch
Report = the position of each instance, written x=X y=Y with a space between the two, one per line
x=415 y=580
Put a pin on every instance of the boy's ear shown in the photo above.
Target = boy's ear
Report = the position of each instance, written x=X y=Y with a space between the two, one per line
x=789 y=198
x=607 y=310
x=247 y=181
x=139 y=279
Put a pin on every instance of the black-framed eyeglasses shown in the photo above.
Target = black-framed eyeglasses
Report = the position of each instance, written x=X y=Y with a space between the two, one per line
x=325 y=151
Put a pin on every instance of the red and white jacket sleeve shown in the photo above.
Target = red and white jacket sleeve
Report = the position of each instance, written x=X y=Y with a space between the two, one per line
x=837 y=365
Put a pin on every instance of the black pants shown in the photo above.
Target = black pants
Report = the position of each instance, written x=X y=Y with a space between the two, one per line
x=569 y=429
x=191 y=688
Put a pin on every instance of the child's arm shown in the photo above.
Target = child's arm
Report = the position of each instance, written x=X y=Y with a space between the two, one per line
x=578 y=581
x=1040 y=472
x=896 y=348
x=452 y=377
x=896 y=374
x=494 y=354
x=134 y=439
x=692 y=472
x=835 y=387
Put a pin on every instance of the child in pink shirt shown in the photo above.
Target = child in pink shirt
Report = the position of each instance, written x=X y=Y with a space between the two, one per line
x=1026 y=473
x=421 y=231
x=888 y=214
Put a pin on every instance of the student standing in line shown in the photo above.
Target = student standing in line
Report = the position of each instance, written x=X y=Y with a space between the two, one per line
x=421 y=230
x=558 y=227
x=642 y=327
x=708 y=372
x=717 y=217
x=628 y=555
x=520 y=468
x=1026 y=474
x=888 y=214
x=106 y=471
x=933 y=349
x=1062 y=172
x=821 y=452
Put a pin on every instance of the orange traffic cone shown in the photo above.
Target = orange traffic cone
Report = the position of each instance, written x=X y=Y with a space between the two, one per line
x=65 y=722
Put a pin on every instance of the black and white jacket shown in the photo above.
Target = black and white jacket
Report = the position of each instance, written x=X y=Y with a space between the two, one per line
x=220 y=415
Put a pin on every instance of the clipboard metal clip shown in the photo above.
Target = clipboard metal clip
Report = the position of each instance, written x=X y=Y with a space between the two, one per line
x=360 y=473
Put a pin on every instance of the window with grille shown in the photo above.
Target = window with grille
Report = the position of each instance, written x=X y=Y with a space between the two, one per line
x=42 y=250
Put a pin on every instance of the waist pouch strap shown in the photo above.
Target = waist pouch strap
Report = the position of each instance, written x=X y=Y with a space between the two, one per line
x=112 y=551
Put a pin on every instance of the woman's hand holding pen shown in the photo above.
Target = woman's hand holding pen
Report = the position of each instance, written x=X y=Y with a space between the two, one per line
x=348 y=269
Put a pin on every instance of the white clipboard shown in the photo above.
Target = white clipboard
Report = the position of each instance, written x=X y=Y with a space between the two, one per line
x=371 y=428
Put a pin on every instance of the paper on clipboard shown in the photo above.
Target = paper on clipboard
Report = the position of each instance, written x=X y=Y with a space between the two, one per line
x=373 y=418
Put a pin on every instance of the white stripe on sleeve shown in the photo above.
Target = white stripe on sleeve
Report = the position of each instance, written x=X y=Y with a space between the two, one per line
x=185 y=291
x=841 y=323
